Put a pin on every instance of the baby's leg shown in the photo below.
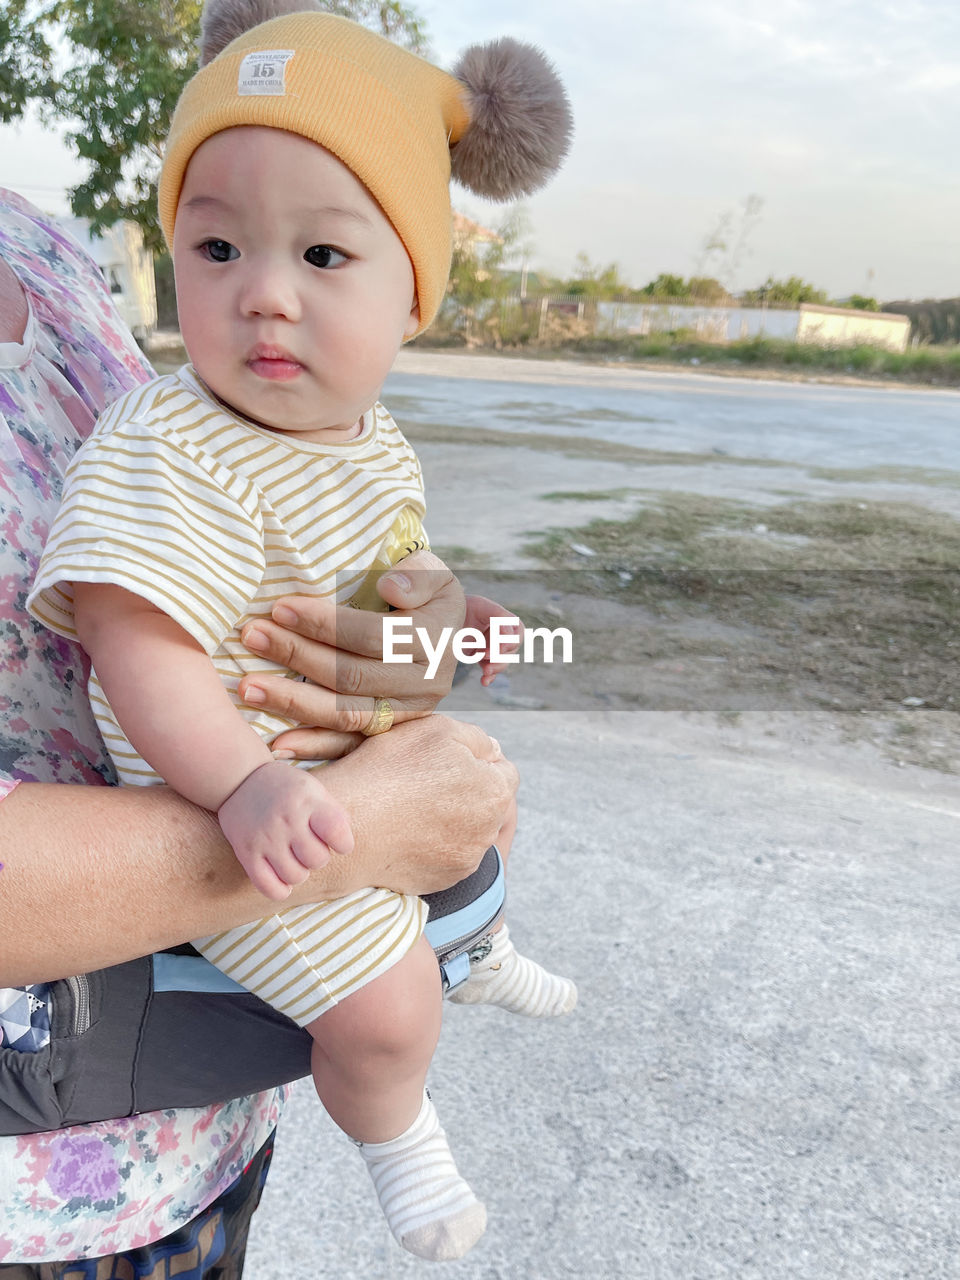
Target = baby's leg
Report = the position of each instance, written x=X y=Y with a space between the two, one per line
x=372 y=1050
x=370 y=1058
x=514 y=982
x=504 y=977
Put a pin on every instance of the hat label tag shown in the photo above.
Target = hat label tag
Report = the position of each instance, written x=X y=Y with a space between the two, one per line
x=264 y=72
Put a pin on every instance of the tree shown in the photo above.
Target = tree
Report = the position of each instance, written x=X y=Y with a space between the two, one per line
x=666 y=285
x=398 y=22
x=479 y=285
x=707 y=290
x=861 y=303
x=127 y=63
x=593 y=282
x=25 y=58
x=130 y=62
x=792 y=291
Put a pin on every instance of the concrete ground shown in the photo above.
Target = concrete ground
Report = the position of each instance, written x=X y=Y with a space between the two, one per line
x=761 y=1079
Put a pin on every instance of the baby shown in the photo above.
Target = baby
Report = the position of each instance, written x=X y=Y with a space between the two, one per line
x=305 y=198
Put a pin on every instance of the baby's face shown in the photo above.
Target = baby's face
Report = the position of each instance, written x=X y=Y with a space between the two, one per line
x=293 y=289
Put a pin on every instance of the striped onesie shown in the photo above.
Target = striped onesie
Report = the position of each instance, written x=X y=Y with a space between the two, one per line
x=212 y=519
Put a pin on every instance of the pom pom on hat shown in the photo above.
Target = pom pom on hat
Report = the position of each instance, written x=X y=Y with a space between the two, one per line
x=521 y=124
x=223 y=20
x=520 y=120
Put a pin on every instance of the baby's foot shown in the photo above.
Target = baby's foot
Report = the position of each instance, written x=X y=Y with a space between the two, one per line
x=504 y=978
x=429 y=1208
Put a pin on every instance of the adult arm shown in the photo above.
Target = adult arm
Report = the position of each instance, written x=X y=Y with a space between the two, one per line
x=94 y=876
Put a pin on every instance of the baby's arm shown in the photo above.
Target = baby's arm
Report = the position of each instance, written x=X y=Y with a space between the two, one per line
x=168 y=698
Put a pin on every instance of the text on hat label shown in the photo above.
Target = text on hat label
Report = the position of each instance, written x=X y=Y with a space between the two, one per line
x=264 y=72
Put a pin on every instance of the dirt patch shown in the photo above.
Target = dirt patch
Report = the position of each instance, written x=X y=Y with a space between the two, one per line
x=599 y=450
x=845 y=609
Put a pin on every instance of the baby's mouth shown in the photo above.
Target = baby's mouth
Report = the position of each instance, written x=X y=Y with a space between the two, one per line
x=273 y=363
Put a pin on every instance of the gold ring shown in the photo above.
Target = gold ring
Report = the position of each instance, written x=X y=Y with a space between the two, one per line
x=381 y=720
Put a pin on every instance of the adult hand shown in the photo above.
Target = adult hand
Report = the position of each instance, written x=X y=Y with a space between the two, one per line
x=426 y=800
x=340 y=652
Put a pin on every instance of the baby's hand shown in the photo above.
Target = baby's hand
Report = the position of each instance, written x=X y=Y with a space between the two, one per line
x=283 y=823
x=480 y=614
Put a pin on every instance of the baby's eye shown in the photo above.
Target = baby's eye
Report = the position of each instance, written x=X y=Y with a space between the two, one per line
x=321 y=255
x=219 y=251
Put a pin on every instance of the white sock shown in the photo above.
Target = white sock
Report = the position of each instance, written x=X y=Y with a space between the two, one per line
x=515 y=983
x=428 y=1206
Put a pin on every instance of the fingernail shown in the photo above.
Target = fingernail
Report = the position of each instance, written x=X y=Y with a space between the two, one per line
x=402 y=581
x=254 y=694
x=283 y=614
x=281 y=754
x=254 y=638
x=497 y=749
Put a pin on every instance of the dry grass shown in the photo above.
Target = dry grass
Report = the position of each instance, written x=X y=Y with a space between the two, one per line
x=852 y=605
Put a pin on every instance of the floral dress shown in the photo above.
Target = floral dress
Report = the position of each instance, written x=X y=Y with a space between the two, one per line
x=101 y=1188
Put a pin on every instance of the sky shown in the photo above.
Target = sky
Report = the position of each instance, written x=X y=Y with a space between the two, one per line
x=841 y=116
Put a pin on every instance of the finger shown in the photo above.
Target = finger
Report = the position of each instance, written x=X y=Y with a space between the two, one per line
x=416 y=581
x=481 y=610
x=316 y=637
x=268 y=881
x=309 y=656
x=288 y=866
x=313 y=617
x=304 y=703
x=310 y=854
x=352 y=645
x=509 y=773
x=314 y=744
x=337 y=625
x=476 y=739
x=331 y=827
x=320 y=708
x=510 y=635
x=335 y=646
x=343 y=702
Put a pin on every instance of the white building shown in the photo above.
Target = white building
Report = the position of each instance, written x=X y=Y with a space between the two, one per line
x=821 y=326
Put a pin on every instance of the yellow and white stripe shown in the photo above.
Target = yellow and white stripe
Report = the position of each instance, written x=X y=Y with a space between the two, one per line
x=212 y=519
x=305 y=959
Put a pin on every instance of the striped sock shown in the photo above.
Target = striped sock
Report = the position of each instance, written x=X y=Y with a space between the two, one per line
x=515 y=983
x=428 y=1206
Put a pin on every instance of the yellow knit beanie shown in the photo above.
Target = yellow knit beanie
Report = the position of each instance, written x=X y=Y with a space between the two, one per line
x=390 y=116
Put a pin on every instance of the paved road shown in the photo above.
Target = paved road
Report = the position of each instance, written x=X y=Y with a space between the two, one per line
x=761 y=1081
x=814 y=424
